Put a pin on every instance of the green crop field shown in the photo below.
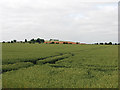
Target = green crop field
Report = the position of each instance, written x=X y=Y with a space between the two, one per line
x=59 y=66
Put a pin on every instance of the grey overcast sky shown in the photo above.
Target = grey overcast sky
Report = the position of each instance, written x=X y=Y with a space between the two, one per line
x=70 y=20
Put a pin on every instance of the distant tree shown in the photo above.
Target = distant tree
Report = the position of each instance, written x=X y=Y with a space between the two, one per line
x=42 y=40
x=8 y=42
x=106 y=43
x=110 y=43
x=38 y=40
x=101 y=43
x=14 y=41
x=64 y=42
x=70 y=43
x=77 y=42
x=116 y=44
x=25 y=40
x=3 y=42
x=52 y=43
x=33 y=40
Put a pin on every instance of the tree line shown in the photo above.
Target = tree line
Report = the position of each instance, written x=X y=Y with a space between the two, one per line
x=38 y=40
x=109 y=43
x=63 y=43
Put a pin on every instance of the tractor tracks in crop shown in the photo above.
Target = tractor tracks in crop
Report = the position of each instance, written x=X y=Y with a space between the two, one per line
x=103 y=68
x=39 y=59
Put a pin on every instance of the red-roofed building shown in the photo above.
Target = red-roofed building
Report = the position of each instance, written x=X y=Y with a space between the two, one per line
x=61 y=42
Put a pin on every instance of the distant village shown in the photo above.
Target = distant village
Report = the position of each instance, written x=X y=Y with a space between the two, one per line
x=51 y=41
x=55 y=41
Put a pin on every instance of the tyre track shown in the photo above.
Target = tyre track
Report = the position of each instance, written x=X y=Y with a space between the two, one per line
x=35 y=62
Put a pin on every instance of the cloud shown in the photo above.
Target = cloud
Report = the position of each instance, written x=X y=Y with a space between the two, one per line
x=63 y=19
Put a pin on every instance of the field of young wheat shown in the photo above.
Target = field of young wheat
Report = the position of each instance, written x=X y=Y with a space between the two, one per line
x=59 y=66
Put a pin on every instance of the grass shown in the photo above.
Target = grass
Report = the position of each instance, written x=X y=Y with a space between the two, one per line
x=60 y=66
